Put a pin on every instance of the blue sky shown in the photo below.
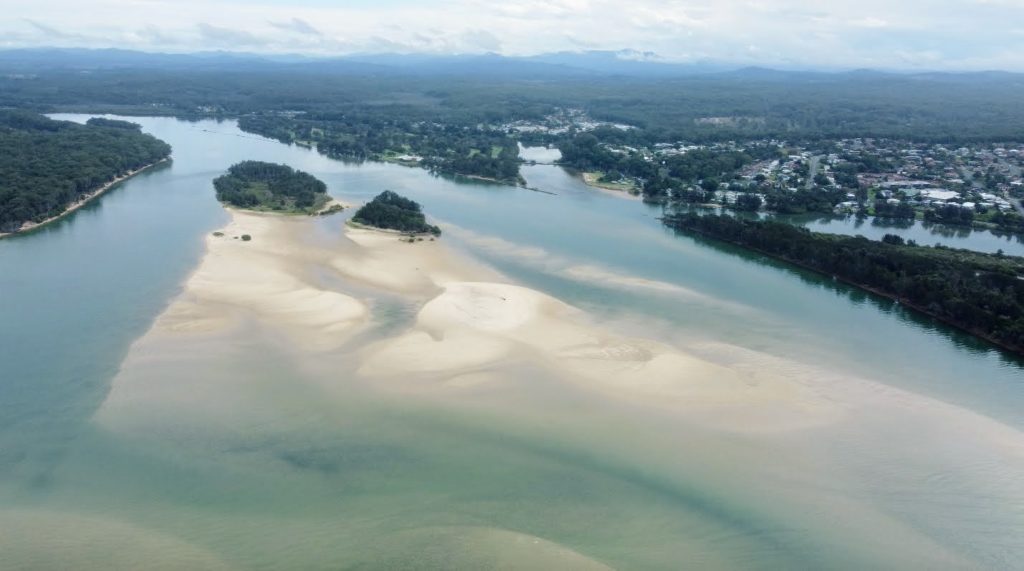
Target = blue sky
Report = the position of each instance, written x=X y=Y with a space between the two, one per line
x=890 y=34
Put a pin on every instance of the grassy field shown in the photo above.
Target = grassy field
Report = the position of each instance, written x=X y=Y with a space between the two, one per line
x=595 y=179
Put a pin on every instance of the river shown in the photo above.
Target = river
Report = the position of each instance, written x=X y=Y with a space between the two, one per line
x=76 y=294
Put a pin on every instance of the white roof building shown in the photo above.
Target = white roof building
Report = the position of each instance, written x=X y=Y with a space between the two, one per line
x=939 y=194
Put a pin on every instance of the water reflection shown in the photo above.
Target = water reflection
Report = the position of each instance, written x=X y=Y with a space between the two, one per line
x=858 y=296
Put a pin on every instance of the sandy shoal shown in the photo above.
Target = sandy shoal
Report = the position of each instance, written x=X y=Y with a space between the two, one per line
x=264 y=278
x=470 y=323
x=471 y=327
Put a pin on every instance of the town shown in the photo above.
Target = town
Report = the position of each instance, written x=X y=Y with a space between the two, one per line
x=976 y=185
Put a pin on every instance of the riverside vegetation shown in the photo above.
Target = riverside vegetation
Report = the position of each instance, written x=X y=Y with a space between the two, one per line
x=256 y=185
x=980 y=293
x=458 y=118
x=374 y=134
x=46 y=166
x=392 y=211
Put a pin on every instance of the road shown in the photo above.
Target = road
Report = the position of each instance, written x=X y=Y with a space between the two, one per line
x=813 y=171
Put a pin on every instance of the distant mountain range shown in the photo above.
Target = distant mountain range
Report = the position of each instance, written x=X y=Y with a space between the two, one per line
x=625 y=63
x=588 y=63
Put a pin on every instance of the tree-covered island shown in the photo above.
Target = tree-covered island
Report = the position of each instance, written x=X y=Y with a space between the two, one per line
x=256 y=185
x=48 y=168
x=982 y=294
x=391 y=211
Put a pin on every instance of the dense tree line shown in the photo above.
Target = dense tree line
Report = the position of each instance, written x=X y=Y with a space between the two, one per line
x=952 y=214
x=113 y=123
x=46 y=165
x=789 y=105
x=260 y=185
x=384 y=133
x=453 y=121
x=980 y=293
x=392 y=211
x=1008 y=221
x=901 y=210
x=816 y=199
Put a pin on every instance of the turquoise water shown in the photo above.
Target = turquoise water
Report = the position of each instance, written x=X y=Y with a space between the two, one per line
x=75 y=295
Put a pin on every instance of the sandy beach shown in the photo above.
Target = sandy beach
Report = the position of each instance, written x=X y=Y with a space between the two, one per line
x=470 y=320
x=471 y=325
x=480 y=345
x=619 y=190
x=262 y=278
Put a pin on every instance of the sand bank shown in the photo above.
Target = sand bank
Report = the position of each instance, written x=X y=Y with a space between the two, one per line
x=712 y=416
x=590 y=274
x=472 y=322
x=476 y=325
x=264 y=278
x=621 y=190
x=382 y=260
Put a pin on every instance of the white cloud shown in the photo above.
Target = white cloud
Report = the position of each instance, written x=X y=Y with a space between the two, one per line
x=217 y=36
x=971 y=34
x=298 y=26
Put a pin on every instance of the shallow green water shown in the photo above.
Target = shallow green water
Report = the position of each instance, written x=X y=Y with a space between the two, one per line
x=365 y=479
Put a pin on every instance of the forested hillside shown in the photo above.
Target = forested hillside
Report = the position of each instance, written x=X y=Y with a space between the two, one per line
x=47 y=165
x=743 y=104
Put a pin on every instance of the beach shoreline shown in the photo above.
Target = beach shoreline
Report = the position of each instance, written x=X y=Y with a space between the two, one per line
x=85 y=199
x=590 y=179
x=470 y=318
x=255 y=340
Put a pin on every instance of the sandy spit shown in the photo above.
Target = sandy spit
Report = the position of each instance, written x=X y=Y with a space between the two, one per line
x=262 y=278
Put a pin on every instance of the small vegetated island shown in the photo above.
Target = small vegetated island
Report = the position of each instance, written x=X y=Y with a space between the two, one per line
x=48 y=168
x=256 y=185
x=392 y=211
x=982 y=294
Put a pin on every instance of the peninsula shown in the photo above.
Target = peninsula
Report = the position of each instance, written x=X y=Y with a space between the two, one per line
x=979 y=293
x=51 y=168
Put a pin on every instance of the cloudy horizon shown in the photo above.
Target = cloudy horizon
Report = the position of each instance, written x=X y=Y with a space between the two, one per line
x=965 y=35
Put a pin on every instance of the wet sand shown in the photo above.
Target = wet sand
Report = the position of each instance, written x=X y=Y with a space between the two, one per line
x=445 y=442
